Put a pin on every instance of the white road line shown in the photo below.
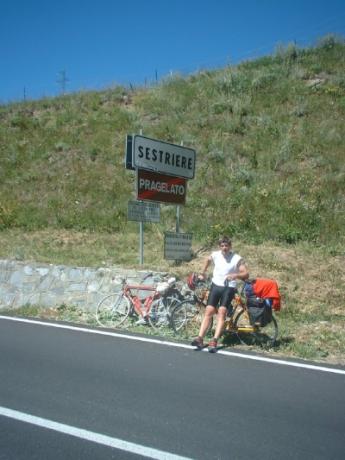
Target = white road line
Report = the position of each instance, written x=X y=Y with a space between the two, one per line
x=177 y=345
x=90 y=436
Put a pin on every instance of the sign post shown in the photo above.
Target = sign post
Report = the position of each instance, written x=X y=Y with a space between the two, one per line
x=178 y=211
x=140 y=211
x=141 y=243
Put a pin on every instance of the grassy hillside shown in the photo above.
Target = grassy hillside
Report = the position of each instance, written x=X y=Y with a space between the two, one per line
x=269 y=136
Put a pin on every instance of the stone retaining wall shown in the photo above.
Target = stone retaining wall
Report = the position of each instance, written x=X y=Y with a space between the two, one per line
x=49 y=285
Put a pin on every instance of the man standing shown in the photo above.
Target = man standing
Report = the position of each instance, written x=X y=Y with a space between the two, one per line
x=228 y=268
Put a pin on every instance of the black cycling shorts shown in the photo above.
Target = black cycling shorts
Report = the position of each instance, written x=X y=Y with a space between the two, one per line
x=221 y=296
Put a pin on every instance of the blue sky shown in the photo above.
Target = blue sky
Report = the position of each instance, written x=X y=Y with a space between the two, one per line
x=100 y=43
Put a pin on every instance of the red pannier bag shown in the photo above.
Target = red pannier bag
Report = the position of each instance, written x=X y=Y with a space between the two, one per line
x=267 y=289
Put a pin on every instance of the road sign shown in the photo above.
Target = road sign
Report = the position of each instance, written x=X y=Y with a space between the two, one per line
x=154 y=186
x=177 y=246
x=140 y=211
x=162 y=157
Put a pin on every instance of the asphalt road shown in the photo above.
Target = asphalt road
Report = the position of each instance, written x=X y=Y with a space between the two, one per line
x=174 y=400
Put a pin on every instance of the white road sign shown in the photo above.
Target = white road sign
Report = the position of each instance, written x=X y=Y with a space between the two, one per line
x=162 y=157
x=177 y=246
x=143 y=211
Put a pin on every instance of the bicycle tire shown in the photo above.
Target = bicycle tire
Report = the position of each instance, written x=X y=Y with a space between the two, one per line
x=263 y=336
x=178 y=317
x=113 y=310
x=267 y=335
x=160 y=312
x=187 y=317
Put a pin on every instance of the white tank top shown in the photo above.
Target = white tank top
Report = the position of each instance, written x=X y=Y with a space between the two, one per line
x=223 y=266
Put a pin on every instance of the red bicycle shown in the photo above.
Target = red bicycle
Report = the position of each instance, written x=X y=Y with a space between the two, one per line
x=118 y=309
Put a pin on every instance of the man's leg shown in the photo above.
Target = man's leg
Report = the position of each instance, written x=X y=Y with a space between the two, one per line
x=205 y=324
x=221 y=315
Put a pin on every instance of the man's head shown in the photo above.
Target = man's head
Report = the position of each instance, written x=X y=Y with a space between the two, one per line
x=224 y=243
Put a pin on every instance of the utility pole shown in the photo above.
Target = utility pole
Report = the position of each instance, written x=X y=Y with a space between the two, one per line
x=62 y=80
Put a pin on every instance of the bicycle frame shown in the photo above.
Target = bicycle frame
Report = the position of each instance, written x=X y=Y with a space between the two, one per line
x=239 y=307
x=138 y=303
x=135 y=301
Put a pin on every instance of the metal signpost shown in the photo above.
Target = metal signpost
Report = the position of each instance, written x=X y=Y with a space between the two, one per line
x=141 y=211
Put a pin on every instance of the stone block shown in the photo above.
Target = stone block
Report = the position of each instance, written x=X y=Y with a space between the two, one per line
x=75 y=274
x=45 y=283
x=43 y=271
x=28 y=270
x=77 y=287
x=94 y=286
x=17 y=278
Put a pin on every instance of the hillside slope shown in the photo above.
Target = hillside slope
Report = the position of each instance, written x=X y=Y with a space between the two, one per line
x=269 y=136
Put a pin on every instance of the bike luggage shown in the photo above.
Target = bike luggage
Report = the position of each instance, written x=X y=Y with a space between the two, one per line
x=260 y=310
x=262 y=296
x=265 y=289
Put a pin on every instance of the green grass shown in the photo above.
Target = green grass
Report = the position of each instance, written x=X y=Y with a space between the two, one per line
x=269 y=147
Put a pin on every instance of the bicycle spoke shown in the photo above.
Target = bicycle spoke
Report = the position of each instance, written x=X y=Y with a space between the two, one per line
x=160 y=311
x=178 y=317
x=186 y=318
x=267 y=336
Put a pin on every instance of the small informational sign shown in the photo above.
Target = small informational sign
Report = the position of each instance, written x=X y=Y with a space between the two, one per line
x=162 y=157
x=153 y=186
x=140 y=211
x=177 y=246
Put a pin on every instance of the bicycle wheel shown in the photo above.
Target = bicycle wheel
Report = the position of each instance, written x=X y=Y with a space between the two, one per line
x=187 y=317
x=264 y=336
x=267 y=335
x=113 y=310
x=160 y=312
x=178 y=317
x=242 y=321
